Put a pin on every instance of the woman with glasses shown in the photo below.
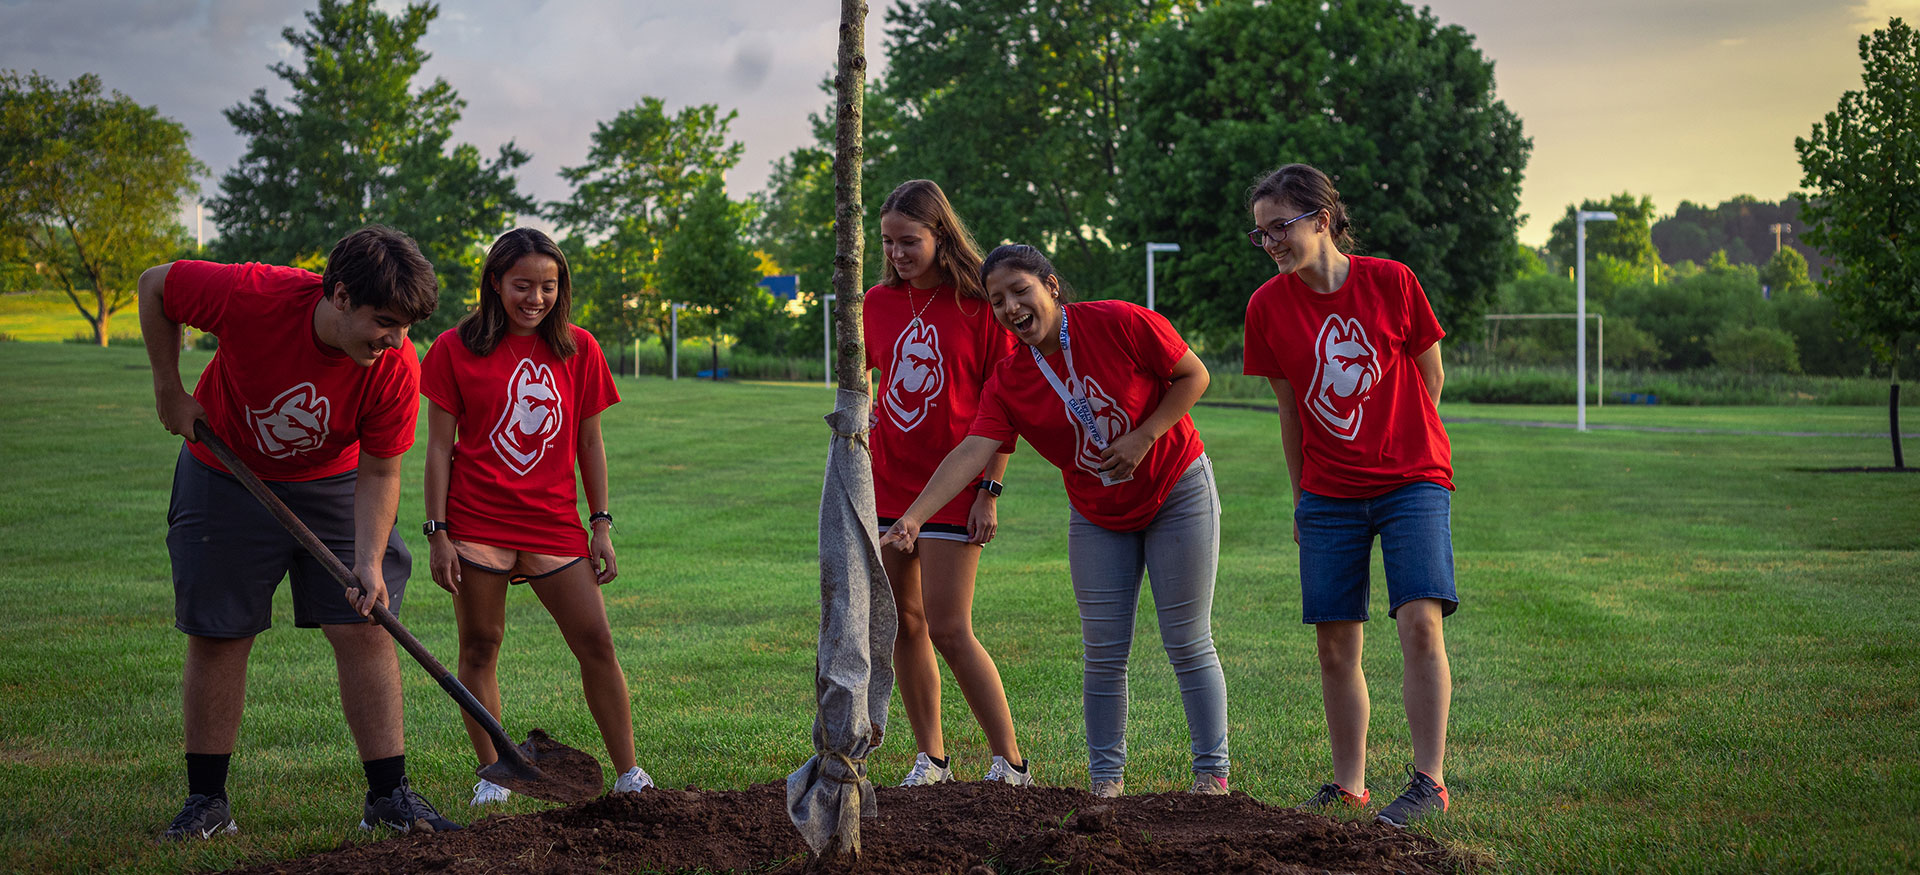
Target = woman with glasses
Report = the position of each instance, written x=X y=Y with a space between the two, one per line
x=1101 y=390
x=1352 y=349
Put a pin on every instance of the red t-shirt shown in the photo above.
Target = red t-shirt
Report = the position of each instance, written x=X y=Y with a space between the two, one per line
x=1123 y=355
x=1367 y=424
x=291 y=407
x=932 y=367
x=518 y=413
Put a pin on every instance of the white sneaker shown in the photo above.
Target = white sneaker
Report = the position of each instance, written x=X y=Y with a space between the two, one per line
x=635 y=780
x=926 y=773
x=488 y=793
x=1005 y=773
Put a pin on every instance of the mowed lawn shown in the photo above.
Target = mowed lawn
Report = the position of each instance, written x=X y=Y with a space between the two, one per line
x=1675 y=652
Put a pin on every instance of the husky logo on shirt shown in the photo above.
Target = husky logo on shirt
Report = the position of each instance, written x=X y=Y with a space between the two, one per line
x=1107 y=415
x=917 y=376
x=296 y=422
x=1346 y=370
x=532 y=417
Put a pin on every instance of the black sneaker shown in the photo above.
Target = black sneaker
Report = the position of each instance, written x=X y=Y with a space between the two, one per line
x=202 y=817
x=405 y=811
x=1330 y=793
x=1422 y=797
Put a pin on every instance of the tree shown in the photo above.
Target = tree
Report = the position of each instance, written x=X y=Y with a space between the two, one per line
x=355 y=144
x=89 y=188
x=642 y=170
x=1017 y=108
x=705 y=262
x=795 y=221
x=1399 y=110
x=1862 y=164
x=1629 y=237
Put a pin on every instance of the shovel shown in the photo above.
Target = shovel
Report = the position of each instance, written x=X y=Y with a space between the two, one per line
x=563 y=774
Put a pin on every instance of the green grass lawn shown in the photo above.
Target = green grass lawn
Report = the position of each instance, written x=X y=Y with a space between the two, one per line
x=1675 y=652
x=50 y=315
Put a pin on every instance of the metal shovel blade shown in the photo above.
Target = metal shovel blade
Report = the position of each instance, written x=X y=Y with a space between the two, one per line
x=550 y=770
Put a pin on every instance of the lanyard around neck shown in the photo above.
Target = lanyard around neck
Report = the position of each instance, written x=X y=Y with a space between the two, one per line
x=1075 y=401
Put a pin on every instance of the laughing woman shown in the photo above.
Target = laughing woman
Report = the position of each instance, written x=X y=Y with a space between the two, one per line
x=1102 y=391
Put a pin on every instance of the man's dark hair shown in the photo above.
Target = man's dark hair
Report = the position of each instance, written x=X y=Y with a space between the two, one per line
x=383 y=268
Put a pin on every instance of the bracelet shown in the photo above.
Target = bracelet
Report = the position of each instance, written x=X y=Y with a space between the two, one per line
x=599 y=515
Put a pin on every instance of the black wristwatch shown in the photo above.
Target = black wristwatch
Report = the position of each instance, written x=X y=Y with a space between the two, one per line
x=599 y=515
x=990 y=487
x=430 y=526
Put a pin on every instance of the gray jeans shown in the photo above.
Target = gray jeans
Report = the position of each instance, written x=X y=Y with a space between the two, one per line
x=1178 y=552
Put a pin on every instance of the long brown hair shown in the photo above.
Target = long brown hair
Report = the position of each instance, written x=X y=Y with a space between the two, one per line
x=953 y=248
x=1306 y=188
x=482 y=329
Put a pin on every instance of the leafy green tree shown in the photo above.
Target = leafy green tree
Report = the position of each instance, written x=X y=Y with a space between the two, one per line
x=1398 y=109
x=1754 y=349
x=1017 y=109
x=795 y=217
x=1628 y=238
x=90 y=185
x=1862 y=166
x=357 y=144
x=1684 y=314
x=706 y=262
x=1785 y=272
x=641 y=172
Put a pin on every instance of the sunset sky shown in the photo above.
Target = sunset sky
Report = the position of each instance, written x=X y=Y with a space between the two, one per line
x=1679 y=99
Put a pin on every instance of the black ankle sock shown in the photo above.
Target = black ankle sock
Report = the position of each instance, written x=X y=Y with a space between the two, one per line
x=939 y=761
x=1022 y=768
x=207 y=774
x=384 y=776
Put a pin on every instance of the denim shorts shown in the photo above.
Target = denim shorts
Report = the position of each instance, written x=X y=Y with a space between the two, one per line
x=1336 y=544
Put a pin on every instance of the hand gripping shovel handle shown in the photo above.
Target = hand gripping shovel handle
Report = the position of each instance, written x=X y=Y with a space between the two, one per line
x=502 y=745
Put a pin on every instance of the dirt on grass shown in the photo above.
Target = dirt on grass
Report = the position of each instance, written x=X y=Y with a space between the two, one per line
x=969 y=829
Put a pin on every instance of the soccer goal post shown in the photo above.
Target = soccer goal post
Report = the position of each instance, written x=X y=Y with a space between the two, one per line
x=1600 y=346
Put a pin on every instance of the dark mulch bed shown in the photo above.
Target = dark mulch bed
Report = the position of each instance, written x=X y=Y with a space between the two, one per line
x=971 y=828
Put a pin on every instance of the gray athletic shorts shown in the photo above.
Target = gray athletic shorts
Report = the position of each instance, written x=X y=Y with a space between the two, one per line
x=230 y=554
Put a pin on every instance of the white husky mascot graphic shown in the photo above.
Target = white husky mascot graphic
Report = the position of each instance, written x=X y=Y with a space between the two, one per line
x=1107 y=416
x=917 y=377
x=295 y=422
x=532 y=417
x=1346 y=371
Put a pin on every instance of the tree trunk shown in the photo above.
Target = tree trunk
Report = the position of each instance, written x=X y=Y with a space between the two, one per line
x=100 y=324
x=1893 y=407
x=849 y=152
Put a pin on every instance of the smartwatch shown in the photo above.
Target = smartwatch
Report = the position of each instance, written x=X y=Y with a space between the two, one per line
x=990 y=487
x=431 y=526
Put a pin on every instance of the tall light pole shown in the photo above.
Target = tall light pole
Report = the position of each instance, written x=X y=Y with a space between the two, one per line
x=826 y=321
x=1151 y=249
x=1580 y=221
x=674 y=354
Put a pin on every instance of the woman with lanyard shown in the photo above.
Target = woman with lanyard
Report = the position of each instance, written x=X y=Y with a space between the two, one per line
x=1352 y=349
x=933 y=338
x=1103 y=394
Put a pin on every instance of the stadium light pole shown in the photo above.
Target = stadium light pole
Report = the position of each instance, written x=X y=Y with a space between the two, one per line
x=674 y=318
x=1151 y=249
x=1580 y=313
x=826 y=320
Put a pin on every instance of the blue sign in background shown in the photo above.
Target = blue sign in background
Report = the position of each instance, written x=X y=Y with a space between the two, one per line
x=785 y=287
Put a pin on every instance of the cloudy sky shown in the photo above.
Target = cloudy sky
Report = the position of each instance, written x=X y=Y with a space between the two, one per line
x=1679 y=99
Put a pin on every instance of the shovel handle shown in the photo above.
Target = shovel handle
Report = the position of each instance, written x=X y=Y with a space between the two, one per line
x=502 y=745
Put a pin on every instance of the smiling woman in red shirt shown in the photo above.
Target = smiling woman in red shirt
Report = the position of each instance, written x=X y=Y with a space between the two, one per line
x=934 y=340
x=515 y=394
x=1352 y=349
x=1102 y=391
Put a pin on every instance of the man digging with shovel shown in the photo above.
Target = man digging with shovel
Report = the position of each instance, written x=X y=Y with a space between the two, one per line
x=316 y=387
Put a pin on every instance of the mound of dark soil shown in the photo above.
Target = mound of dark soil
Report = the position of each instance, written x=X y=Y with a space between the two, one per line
x=971 y=828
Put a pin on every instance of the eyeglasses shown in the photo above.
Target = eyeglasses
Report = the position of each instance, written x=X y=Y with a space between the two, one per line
x=1260 y=236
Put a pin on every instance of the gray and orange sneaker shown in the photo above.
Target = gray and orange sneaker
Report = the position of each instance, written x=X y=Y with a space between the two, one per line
x=1330 y=793
x=1422 y=797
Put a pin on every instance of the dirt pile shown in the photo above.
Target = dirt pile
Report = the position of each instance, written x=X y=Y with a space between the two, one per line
x=972 y=828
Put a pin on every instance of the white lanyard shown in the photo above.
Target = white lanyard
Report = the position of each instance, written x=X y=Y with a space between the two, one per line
x=1075 y=402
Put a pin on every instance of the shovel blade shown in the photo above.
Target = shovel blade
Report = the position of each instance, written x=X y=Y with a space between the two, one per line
x=552 y=771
